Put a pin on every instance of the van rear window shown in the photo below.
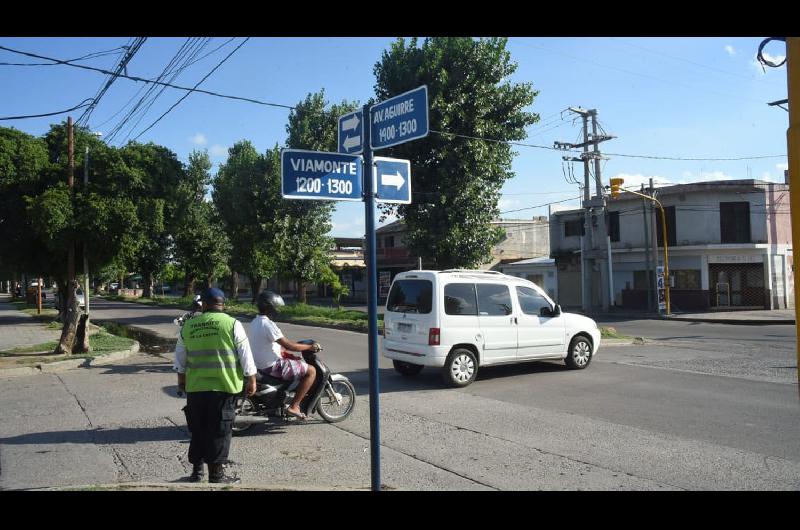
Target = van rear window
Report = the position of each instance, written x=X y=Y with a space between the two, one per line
x=410 y=296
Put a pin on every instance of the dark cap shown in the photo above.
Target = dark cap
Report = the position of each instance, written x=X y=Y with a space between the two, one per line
x=213 y=296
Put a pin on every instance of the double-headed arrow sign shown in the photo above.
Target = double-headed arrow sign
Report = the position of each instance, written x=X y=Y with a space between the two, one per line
x=351 y=133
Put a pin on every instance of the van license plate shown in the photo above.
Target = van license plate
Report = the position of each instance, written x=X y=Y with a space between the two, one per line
x=404 y=327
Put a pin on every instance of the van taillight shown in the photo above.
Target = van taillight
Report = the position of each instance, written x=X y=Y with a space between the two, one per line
x=433 y=337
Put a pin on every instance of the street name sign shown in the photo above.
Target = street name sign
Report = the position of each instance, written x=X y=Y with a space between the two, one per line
x=351 y=133
x=392 y=178
x=399 y=119
x=318 y=175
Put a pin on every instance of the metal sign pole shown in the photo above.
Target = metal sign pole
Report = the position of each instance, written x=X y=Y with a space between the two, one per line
x=372 y=308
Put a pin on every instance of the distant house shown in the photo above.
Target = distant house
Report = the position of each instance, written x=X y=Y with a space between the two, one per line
x=522 y=239
x=541 y=271
x=729 y=247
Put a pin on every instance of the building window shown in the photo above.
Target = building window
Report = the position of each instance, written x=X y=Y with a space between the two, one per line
x=734 y=222
x=574 y=228
x=613 y=226
x=686 y=279
x=538 y=279
x=669 y=213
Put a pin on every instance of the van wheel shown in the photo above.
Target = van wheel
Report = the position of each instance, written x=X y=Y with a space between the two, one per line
x=407 y=369
x=460 y=369
x=579 y=354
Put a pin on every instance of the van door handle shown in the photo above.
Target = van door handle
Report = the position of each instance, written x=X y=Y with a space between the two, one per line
x=514 y=320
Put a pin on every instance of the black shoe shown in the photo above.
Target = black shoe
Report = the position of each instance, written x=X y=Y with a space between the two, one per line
x=216 y=475
x=197 y=473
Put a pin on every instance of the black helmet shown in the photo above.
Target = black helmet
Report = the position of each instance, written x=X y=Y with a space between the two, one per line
x=269 y=302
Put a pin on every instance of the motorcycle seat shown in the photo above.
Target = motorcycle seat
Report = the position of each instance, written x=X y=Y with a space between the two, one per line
x=262 y=380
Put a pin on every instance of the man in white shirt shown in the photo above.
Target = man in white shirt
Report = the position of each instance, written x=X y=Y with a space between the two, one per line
x=270 y=346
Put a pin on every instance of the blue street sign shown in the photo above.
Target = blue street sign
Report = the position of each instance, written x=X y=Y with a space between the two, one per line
x=320 y=176
x=399 y=119
x=351 y=133
x=392 y=178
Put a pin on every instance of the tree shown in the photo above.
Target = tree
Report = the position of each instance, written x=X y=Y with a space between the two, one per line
x=240 y=188
x=154 y=173
x=457 y=180
x=201 y=248
x=301 y=236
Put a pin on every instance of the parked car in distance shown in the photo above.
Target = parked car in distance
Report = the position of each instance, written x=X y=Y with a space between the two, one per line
x=34 y=286
x=459 y=320
x=79 y=296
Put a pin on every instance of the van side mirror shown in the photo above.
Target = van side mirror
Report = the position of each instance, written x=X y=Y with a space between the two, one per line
x=550 y=311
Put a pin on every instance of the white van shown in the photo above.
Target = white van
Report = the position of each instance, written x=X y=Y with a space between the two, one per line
x=458 y=320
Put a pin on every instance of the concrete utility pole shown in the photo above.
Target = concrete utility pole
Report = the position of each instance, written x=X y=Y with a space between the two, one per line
x=85 y=246
x=649 y=269
x=594 y=206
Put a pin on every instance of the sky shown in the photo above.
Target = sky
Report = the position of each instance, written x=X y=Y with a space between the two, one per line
x=675 y=97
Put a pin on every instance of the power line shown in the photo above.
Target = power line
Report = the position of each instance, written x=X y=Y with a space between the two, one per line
x=289 y=107
x=93 y=55
x=134 y=48
x=143 y=80
x=80 y=105
x=198 y=84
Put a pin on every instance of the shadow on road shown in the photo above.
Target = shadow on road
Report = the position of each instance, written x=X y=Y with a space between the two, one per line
x=431 y=379
x=118 y=435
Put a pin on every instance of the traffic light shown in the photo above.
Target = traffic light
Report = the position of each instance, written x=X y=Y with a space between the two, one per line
x=616 y=184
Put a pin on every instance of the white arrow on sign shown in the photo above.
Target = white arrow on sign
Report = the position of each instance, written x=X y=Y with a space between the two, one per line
x=351 y=124
x=351 y=141
x=393 y=179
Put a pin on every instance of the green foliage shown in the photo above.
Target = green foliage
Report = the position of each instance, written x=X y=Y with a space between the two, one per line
x=457 y=180
x=201 y=248
x=302 y=226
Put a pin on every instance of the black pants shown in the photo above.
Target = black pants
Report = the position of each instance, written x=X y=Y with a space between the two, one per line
x=209 y=416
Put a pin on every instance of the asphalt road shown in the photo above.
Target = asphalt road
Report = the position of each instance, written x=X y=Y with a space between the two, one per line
x=706 y=407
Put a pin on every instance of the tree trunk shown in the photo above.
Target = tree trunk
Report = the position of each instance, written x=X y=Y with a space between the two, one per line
x=68 y=332
x=82 y=336
x=255 y=286
x=234 y=285
x=301 y=291
x=148 y=285
x=63 y=297
x=188 y=284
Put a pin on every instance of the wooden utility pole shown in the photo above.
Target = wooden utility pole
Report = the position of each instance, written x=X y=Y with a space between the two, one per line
x=71 y=313
x=793 y=147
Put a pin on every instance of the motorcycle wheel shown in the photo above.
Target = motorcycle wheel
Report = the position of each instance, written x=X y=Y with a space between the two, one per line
x=330 y=408
x=243 y=407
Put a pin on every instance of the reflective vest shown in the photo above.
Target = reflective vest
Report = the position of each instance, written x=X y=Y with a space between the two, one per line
x=211 y=361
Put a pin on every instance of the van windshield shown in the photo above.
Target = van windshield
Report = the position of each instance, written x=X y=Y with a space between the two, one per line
x=410 y=296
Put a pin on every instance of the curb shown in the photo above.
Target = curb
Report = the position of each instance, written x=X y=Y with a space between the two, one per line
x=202 y=486
x=70 y=364
x=733 y=321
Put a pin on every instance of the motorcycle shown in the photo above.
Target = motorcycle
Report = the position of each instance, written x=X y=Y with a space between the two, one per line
x=196 y=307
x=331 y=395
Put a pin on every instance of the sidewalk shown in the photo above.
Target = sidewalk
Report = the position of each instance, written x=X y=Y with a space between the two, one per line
x=19 y=329
x=752 y=317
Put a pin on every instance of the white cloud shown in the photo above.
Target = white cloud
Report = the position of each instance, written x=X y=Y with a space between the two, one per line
x=773 y=58
x=730 y=50
x=635 y=182
x=199 y=139
x=218 y=150
x=782 y=167
x=764 y=69
x=508 y=204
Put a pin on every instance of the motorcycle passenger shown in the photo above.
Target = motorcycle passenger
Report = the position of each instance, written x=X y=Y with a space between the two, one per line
x=213 y=360
x=270 y=353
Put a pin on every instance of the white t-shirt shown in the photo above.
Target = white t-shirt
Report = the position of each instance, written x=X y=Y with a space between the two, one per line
x=262 y=334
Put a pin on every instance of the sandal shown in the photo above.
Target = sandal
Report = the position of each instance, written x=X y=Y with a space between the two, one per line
x=299 y=415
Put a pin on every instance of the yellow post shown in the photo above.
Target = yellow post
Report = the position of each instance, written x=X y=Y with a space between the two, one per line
x=666 y=254
x=793 y=147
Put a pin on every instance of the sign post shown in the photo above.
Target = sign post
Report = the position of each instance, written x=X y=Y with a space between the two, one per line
x=315 y=175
